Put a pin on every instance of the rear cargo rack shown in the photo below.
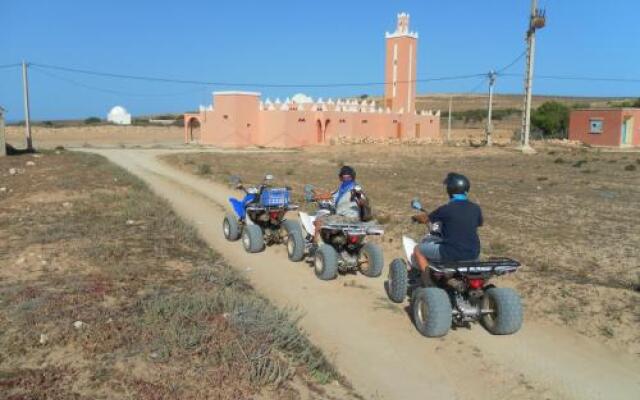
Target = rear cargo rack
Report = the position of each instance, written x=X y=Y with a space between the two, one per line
x=497 y=266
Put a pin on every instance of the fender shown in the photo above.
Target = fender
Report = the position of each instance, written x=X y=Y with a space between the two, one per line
x=239 y=205
x=307 y=222
x=408 y=245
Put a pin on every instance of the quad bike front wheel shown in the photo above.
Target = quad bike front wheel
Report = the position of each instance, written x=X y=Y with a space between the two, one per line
x=231 y=227
x=397 y=281
x=252 y=239
x=294 y=240
x=502 y=311
x=326 y=262
x=372 y=260
x=432 y=313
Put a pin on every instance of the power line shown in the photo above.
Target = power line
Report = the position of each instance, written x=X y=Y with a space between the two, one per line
x=512 y=63
x=111 y=91
x=580 y=78
x=9 y=66
x=242 y=84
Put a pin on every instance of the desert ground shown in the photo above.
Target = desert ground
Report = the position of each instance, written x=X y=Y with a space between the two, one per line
x=97 y=136
x=106 y=294
x=568 y=213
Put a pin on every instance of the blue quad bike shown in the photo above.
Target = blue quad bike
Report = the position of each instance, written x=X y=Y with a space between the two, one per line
x=259 y=218
x=456 y=293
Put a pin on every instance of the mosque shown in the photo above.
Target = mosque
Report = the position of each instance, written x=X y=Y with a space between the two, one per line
x=240 y=119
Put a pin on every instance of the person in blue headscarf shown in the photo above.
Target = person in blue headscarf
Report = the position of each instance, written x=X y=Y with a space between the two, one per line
x=459 y=220
x=346 y=201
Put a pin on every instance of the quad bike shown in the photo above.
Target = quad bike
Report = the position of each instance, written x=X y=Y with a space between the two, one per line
x=259 y=217
x=457 y=292
x=343 y=246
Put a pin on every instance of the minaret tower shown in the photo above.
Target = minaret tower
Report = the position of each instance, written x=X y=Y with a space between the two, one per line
x=400 y=67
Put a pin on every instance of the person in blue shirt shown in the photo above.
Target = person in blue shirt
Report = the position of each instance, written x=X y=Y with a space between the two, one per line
x=459 y=220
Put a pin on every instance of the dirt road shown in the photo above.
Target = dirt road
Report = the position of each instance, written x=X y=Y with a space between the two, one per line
x=373 y=341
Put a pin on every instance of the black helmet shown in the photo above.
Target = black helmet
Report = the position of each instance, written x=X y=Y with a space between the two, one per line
x=456 y=184
x=347 y=170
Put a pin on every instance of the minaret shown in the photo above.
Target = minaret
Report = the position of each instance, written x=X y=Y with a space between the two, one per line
x=400 y=67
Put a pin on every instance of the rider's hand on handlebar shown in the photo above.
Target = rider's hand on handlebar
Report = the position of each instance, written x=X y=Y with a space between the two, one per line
x=420 y=218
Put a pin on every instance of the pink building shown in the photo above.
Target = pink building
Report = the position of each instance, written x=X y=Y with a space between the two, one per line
x=238 y=119
x=606 y=127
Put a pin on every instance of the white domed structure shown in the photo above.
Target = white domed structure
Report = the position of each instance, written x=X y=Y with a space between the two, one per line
x=300 y=98
x=119 y=115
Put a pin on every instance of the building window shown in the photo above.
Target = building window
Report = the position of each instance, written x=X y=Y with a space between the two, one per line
x=342 y=121
x=395 y=121
x=595 y=125
x=248 y=125
x=364 y=121
x=301 y=120
x=225 y=116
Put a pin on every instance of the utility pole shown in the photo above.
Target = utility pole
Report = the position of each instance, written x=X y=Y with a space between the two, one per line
x=537 y=20
x=489 y=128
x=449 y=122
x=27 y=114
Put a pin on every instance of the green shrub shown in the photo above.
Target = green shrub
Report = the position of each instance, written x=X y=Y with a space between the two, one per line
x=552 y=119
x=92 y=120
x=203 y=169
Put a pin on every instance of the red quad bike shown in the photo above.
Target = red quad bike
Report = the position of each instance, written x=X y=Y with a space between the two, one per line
x=458 y=294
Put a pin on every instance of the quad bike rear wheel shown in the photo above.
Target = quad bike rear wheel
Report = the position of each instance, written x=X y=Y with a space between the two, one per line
x=397 y=281
x=252 y=239
x=326 y=262
x=432 y=313
x=294 y=240
x=372 y=260
x=231 y=227
x=503 y=309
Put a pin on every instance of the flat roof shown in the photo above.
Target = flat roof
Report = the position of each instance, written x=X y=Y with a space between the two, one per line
x=236 y=92
x=608 y=109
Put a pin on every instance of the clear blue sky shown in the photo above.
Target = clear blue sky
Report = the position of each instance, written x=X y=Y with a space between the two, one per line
x=298 y=41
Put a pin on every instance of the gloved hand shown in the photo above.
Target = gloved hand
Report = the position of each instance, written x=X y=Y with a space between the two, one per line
x=420 y=218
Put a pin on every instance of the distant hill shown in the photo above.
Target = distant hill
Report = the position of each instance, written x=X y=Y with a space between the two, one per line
x=464 y=102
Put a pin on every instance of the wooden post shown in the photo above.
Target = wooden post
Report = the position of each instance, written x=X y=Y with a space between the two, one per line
x=449 y=120
x=3 y=142
x=27 y=109
x=489 y=127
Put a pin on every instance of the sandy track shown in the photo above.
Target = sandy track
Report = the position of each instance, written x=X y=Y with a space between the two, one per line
x=374 y=343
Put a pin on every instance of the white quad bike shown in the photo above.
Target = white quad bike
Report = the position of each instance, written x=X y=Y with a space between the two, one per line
x=343 y=247
x=457 y=292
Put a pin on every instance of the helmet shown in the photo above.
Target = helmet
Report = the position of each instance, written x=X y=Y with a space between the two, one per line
x=347 y=170
x=456 y=184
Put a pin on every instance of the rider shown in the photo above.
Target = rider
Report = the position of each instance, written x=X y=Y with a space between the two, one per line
x=460 y=219
x=347 y=203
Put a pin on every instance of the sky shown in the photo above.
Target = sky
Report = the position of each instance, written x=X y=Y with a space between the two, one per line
x=297 y=42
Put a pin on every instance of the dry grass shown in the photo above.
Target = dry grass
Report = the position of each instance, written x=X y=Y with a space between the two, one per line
x=162 y=315
x=97 y=136
x=569 y=214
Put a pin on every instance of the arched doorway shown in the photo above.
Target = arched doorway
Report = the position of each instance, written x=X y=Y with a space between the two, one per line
x=399 y=130
x=319 y=132
x=326 y=128
x=193 y=129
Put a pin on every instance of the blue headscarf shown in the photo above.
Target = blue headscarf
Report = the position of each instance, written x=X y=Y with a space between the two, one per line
x=459 y=197
x=345 y=187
